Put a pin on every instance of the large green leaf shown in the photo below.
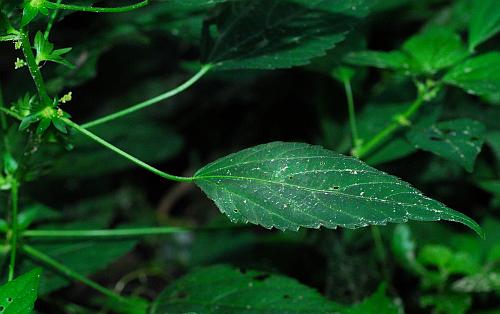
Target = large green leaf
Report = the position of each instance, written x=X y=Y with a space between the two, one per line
x=223 y=289
x=289 y=185
x=479 y=75
x=484 y=21
x=457 y=140
x=269 y=34
x=19 y=295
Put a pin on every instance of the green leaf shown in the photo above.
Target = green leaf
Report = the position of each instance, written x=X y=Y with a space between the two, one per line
x=478 y=283
x=447 y=261
x=19 y=295
x=447 y=303
x=45 y=51
x=289 y=185
x=395 y=60
x=456 y=140
x=435 y=49
x=479 y=75
x=484 y=22
x=377 y=303
x=403 y=248
x=424 y=53
x=270 y=34
x=223 y=289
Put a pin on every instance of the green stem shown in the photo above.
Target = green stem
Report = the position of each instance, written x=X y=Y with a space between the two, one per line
x=352 y=114
x=33 y=68
x=51 y=21
x=41 y=257
x=110 y=233
x=3 y=118
x=151 y=101
x=380 y=137
x=14 y=230
x=52 y=5
x=124 y=154
x=11 y=113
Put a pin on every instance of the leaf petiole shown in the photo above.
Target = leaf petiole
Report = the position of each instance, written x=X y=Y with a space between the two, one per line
x=104 y=233
x=123 y=153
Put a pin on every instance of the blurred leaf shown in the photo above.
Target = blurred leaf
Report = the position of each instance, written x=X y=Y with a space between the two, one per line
x=289 y=185
x=447 y=261
x=478 y=75
x=394 y=60
x=447 y=303
x=19 y=295
x=478 y=283
x=456 y=140
x=484 y=22
x=378 y=303
x=223 y=289
x=35 y=213
x=266 y=34
x=404 y=247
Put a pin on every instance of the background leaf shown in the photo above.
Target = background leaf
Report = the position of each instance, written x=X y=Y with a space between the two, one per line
x=484 y=22
x=223 y=289
x=270 y=34
x=289 y=185
x=457 y=140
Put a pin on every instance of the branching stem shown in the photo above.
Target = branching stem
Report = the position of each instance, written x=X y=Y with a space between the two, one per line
x=109 y=233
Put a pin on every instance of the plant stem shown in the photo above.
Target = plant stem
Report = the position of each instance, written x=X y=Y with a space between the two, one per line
x=39 y=256
x=3 y=119
x=109 y=233
x=33 y=68
x=124 y=154
x=11 y=113
x=14 y=230
x=380 y=137
x=52 y=19
x=52 y=5
x=352 y=114
x=151 y=101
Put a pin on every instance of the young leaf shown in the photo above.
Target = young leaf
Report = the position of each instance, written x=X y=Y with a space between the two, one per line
x=484 y=22
x=223 y=289
x=457 y=140
x=31 y=8
x=435 y=49
x=479 y=75
x=376 y=303
x=269 y=34
x=424 y=53
x=19 y=295
x=289 y=185
x=45 y=51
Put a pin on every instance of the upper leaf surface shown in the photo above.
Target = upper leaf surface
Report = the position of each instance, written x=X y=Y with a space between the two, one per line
x=269 y=34
x=289 y=185
x=378 y=302
x=457 y=140
x=479 y=75
x=223 y=289
x=484 y=21
x=19 y=295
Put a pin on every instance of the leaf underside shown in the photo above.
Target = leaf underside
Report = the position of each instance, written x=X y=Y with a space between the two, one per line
x=291 y=185
x=269 y=34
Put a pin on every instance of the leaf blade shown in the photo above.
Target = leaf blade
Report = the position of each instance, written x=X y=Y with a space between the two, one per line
x=19 y=295
x=292 y=185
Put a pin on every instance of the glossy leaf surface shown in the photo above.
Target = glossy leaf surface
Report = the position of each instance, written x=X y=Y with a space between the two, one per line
x=292 y=185
x=19 y=295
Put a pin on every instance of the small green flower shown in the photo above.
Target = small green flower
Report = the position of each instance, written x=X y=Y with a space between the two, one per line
x=19 y=63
